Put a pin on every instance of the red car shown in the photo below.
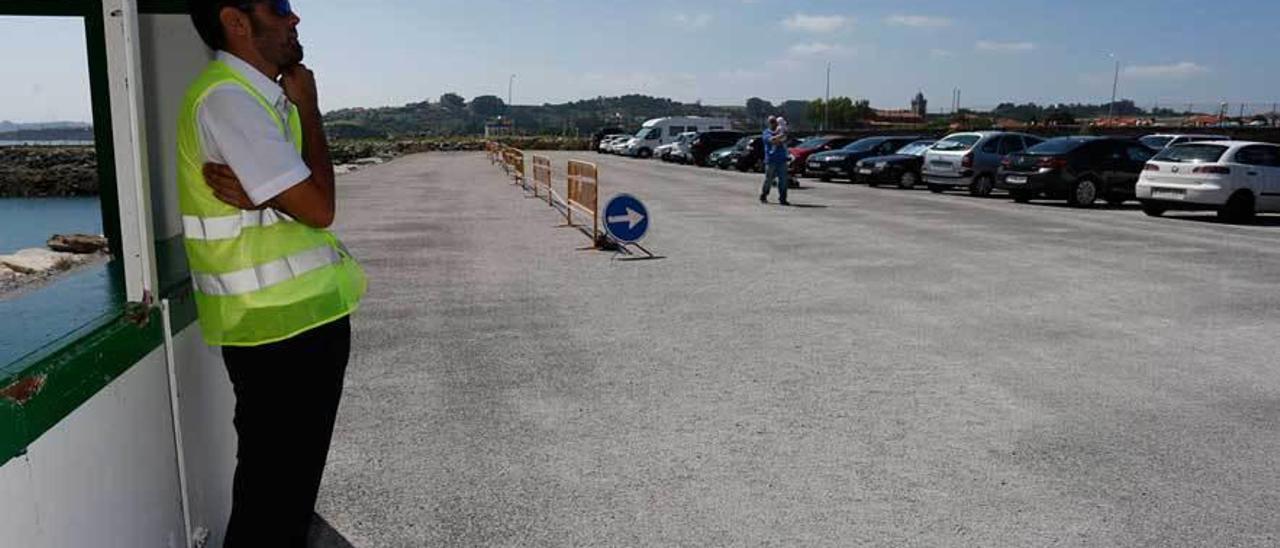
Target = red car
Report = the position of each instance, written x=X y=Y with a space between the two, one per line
x=801 y=152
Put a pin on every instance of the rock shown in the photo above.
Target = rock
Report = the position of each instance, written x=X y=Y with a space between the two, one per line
x=82 y=244
x=37 y=261
x=343 y=169
x=370 y=161
x=6 y=275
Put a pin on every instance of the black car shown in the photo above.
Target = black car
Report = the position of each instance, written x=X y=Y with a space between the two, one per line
x=597 y=136
x=1079 y=169
x=752 y=157
x=802 y=150
x=901 y=168
x=740 y=148
x=840 y=163
x=710 y=141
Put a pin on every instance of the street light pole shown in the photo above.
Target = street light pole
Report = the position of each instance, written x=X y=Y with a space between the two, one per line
x=826 y=105
x=1115 y=85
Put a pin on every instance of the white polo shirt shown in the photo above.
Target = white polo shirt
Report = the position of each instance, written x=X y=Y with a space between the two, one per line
x=235 y=131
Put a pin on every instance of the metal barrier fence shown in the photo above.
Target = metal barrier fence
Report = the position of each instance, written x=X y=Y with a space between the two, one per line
x=542 y=177
x=514 y=163
x=582 y=189
x=583 y=195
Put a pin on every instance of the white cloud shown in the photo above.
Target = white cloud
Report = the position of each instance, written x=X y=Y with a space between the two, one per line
x=816 y=23
x=1004 y=47
x=1184 y=69
x=818 y=48
x=687 y=21
x=919 y=21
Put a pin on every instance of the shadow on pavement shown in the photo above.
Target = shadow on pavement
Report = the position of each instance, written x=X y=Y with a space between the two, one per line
x=323 y=535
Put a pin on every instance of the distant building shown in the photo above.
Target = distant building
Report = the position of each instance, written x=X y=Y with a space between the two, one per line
x=920 y=106
x=499 y=127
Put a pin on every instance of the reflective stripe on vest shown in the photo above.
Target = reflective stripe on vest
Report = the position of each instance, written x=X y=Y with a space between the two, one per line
x=226 y=228
x=266 y=275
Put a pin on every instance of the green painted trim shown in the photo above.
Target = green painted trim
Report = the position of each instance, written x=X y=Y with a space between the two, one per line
x=84 y=363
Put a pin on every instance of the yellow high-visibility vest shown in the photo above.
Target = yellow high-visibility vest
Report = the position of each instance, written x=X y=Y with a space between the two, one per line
x=259 y=276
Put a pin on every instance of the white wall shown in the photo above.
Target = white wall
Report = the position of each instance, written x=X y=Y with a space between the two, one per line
x=207 y=405
x=172 y=56
x=106 y=476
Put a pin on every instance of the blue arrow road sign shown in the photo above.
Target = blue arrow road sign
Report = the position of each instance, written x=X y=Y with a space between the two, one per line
x=626 y=219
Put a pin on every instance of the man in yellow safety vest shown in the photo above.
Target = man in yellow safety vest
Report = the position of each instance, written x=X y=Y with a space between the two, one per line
x=273 y=288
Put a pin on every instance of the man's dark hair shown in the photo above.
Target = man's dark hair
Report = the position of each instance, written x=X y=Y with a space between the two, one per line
x=205 y=17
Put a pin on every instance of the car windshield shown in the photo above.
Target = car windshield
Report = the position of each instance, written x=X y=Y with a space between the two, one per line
x=1061 y=145
x=957 y=142
x=915 y=149
x=742 y=143
x=649 y=133
x=1155 y=142
x=813 y=142
x=862 y=145
x=1197 y=153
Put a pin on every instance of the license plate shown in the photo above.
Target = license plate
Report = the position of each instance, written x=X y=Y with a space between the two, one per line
x=865 y=171
x=1015 y=180
x=1168 y=193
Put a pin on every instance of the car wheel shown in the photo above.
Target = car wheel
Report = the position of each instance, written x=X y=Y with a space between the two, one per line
x=1239 y=209
x=872 y=182
x=1083 y=193
x=981 y=186
x=936 y=189
x=908 y=180
x=1020 y=196
x=824 y=178
x=645 y=153
x=1153 y=210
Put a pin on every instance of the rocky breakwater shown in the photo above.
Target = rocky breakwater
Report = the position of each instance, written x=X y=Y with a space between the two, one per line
x=48 y=171
x=64 y=253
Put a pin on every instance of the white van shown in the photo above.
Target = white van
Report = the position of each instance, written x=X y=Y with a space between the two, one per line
x=660 y=131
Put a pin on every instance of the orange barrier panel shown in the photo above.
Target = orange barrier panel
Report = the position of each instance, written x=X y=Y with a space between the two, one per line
x=515 y=165
x=542 y=176
x=583 y=195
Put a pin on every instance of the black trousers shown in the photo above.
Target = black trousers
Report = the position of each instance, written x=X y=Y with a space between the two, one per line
x=287 y=397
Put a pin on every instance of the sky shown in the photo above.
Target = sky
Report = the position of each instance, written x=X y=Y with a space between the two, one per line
x=392 y=52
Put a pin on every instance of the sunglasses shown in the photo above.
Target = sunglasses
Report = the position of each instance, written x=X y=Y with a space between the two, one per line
x=279 y=7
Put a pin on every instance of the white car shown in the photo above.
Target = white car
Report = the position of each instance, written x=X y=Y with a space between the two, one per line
x=607 y=141
x=610 y=145
x=1238 y=179
x=1160 y=141
x=678 y=150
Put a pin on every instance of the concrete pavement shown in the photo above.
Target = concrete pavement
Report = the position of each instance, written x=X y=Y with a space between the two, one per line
x=877 y=367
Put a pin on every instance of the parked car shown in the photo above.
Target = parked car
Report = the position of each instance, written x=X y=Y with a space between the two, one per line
x=1079 y=169
x=1238 y=179
x=1160 y=141
x=717 y=158
x=813 y=145
x=607 y=141
x=602 y=134
x=841 y=162
x=680 y=154
x=901 y=168
x=670 y=151
x=711 y=141
x=970 y=159
x=619 y=144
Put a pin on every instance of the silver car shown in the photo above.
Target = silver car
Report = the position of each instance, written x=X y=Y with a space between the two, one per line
x=970 y=159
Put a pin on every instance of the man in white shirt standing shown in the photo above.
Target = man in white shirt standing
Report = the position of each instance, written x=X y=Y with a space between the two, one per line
x=273 y=289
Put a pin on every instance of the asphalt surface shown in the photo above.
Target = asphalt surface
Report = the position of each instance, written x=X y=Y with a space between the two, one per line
x=873 y=367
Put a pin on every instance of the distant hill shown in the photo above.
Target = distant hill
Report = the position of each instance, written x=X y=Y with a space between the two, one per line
x=451 y=115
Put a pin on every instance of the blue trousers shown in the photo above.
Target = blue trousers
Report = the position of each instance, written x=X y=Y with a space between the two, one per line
x=775 y=173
